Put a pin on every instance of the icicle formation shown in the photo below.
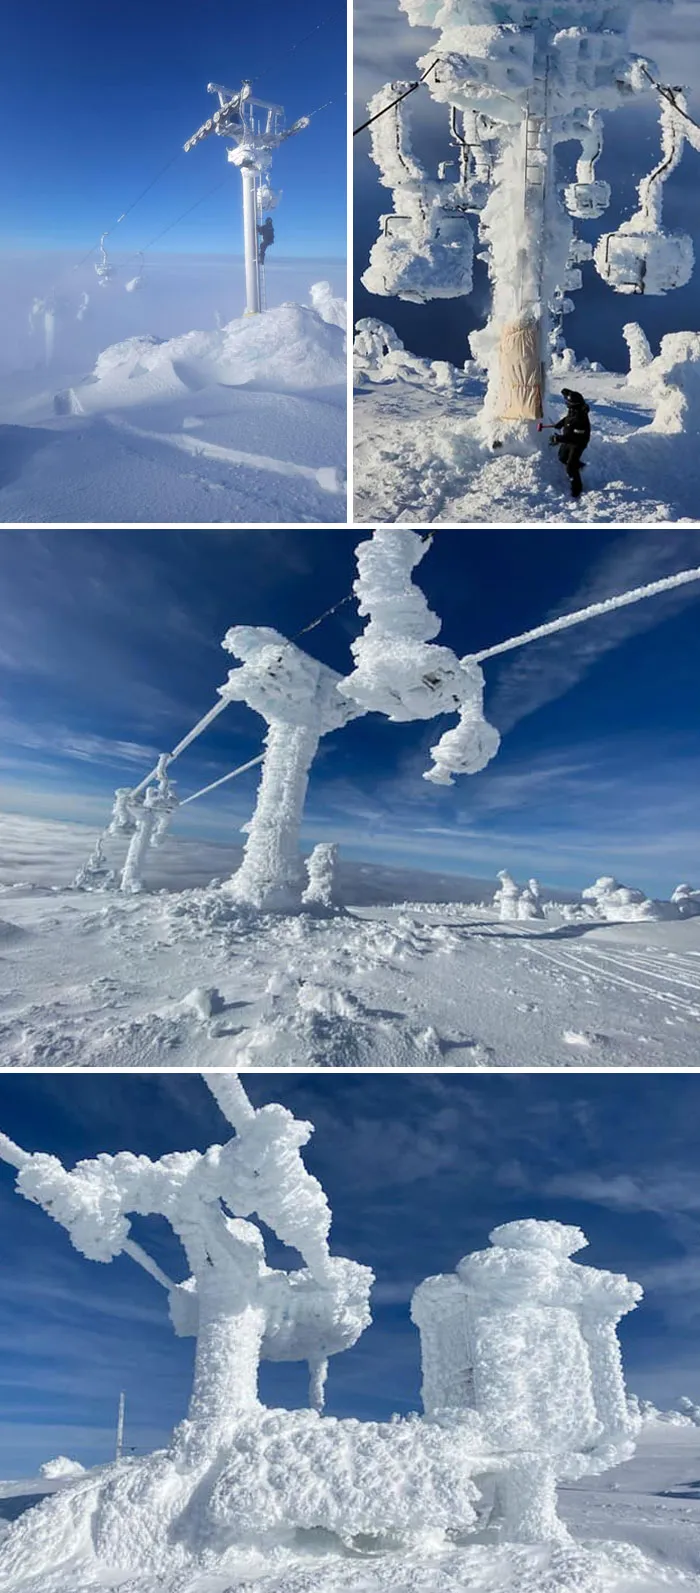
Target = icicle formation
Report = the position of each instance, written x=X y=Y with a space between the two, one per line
x=297 y=697
x=518 y=80
x=524 y=1340
x=426 y=246
x=399 y=672
x=239 y=1309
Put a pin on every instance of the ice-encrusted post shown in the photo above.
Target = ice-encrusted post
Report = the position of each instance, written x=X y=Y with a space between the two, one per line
x=400 y=672
x=525 y=1340
x=297 y=696
x=150 y=817
x=321 y=868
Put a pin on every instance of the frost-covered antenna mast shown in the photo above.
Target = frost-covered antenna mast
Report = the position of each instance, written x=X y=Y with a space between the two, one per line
x=519 y=77
x=256 y=129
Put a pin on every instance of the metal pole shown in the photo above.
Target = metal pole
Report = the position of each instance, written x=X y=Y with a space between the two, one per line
x=120 y=1427
x=250 y=241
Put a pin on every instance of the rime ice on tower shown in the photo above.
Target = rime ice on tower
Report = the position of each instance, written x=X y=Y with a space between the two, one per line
x=298 y=698
x=523 y=1340
x=518 y=79
x=400 y=672
x=238 y=1308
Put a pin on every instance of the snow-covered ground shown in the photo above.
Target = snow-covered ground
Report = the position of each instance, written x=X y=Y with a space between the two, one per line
x=244 y=423
x=421 y=456
x=91 y=979
x=651 y=1504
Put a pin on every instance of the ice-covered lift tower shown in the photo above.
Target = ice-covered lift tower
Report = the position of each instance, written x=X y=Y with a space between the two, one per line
x=256 y=129
x=519 y=77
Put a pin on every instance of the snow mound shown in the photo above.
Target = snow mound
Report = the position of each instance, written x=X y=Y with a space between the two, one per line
x=291 y=347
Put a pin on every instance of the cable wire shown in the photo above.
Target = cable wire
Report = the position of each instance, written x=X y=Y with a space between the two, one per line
x=404 y=96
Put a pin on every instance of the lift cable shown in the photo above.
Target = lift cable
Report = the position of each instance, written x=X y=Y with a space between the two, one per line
x=404 y=96
x=670 y=95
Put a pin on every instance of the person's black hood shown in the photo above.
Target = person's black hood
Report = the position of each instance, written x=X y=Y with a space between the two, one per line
x=574 y=400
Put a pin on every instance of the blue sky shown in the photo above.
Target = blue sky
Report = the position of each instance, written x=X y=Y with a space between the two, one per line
x=386 y=47
x=417 y=1168
x=96 y=99
x=110 y=651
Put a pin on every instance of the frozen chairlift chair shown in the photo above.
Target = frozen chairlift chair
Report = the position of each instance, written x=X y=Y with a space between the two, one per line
x=425 y=249
x=641 y=257
x=256 y=129
x=104 y=270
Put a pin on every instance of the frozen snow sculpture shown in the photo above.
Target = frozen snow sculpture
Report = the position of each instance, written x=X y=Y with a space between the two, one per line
x=519 y=80
x=151 y=816
x=400 y=672
x=529 y=904
x=95 y=874
x=674 y=380
x=373 y=341
x=687 y=900
x=507 y=897
x=297 y=697
x=331 y=309
x=639 y=349
x=426 y=246
x=619 y=904
x=321 y=868
x=524 y=1340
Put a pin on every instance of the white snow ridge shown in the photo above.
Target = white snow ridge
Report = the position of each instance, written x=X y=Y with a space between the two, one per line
x=522 y=1389
x=245 y=423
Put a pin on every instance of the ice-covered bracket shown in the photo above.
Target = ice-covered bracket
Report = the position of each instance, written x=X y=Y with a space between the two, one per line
x=400 y=672
x=518 y=80
x=522 y=1379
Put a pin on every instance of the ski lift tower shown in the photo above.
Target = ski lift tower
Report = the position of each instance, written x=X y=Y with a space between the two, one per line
x=517 y=77
x=256 y=129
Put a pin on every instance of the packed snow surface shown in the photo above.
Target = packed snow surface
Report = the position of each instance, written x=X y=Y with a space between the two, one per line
x=244 y=423
x=421 y=454
x=415 y=972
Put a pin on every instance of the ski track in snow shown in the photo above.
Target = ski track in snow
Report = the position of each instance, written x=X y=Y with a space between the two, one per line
x=418 y=458
x=326 y=478
x=100 y=980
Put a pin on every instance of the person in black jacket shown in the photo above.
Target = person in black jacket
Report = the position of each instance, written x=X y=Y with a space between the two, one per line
x=572 y=435
x=266 y=236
